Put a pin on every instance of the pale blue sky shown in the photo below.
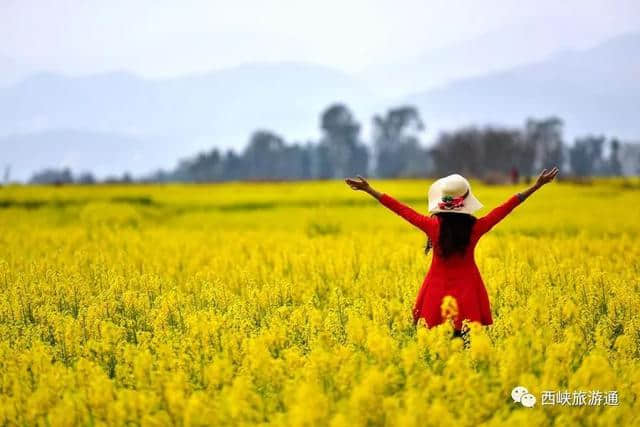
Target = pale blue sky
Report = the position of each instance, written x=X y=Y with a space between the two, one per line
x=159 y=38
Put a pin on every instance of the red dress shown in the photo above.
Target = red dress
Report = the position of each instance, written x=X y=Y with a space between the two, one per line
x=456 y=275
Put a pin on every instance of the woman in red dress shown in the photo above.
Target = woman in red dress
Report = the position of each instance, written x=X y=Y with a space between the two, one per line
x=453 y=233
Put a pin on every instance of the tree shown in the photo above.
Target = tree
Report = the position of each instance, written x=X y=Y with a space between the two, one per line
x=233 y=166
x=307 y=161
x=322 y=164
x=340 y=145
x=263 y=156
x=395 y=141
x=585 y=157
x=206 y=166
x=86 y=178
x=295 y=162
x=459 y=151
x=579 y=159
x=545 y=137
x=526 y=157
x=52 y=176
x=615 y=167
x=501 y=149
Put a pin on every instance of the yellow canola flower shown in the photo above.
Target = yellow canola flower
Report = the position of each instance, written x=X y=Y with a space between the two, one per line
x=277 y=304
x=449 y=307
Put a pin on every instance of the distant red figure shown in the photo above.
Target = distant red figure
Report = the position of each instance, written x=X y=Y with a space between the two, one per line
x=515 y=175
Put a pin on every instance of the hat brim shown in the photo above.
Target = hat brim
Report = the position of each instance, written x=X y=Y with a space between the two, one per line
x=471 y=203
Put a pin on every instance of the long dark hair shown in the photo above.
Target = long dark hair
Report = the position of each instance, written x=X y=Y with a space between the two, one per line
x=455 y=233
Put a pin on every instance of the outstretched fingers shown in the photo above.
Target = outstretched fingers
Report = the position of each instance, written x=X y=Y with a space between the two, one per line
x=548 y=175
x=357 y=183
x=354 y=183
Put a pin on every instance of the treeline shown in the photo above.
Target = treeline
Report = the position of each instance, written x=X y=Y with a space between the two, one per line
x=394 y=151
x=66 y=176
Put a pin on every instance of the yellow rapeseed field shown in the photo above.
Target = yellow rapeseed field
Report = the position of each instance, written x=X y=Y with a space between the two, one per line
x=290 y=304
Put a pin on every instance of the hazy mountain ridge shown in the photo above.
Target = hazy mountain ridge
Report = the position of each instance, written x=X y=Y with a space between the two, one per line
x=12 y=71
x=68 y=148
x=187 y=106
x=594 y=91
x=195 y=112
x=501 y=49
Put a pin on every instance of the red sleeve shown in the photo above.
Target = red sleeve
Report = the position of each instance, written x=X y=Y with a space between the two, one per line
x=498 y=213
x=423 y=222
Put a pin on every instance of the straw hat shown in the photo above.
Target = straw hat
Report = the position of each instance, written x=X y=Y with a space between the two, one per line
x=452 y=194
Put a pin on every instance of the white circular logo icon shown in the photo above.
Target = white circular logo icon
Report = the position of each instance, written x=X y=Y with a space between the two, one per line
x=528 y=400
x=518 y=392
x=521 y=395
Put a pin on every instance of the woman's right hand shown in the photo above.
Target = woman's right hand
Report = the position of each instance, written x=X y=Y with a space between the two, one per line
x=358 y=184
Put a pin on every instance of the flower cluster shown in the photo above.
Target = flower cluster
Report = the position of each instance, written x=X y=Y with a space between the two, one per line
x=451 y=203
x=204 y=308
x=449 y=307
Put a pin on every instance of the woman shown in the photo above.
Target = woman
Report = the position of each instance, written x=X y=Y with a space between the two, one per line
x=453 y=233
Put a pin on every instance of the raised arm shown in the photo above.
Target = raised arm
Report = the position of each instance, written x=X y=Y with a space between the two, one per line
x=488 y=221
x=497 y=214
x=419 y=220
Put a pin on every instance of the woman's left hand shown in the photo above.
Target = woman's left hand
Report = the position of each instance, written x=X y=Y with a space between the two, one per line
x=546 y=177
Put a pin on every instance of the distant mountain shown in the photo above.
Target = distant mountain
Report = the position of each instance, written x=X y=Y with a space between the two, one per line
x=507 y=47
x=117 y=122
x=12 y=71
x=190 y=113
x=101 y=153
x=594 y=91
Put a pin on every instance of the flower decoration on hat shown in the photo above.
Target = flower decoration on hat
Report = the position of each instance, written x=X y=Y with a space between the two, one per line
x=452 y=203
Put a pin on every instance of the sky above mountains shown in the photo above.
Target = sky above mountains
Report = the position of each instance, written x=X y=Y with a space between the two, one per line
x=132 y=86
x=159 y=38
